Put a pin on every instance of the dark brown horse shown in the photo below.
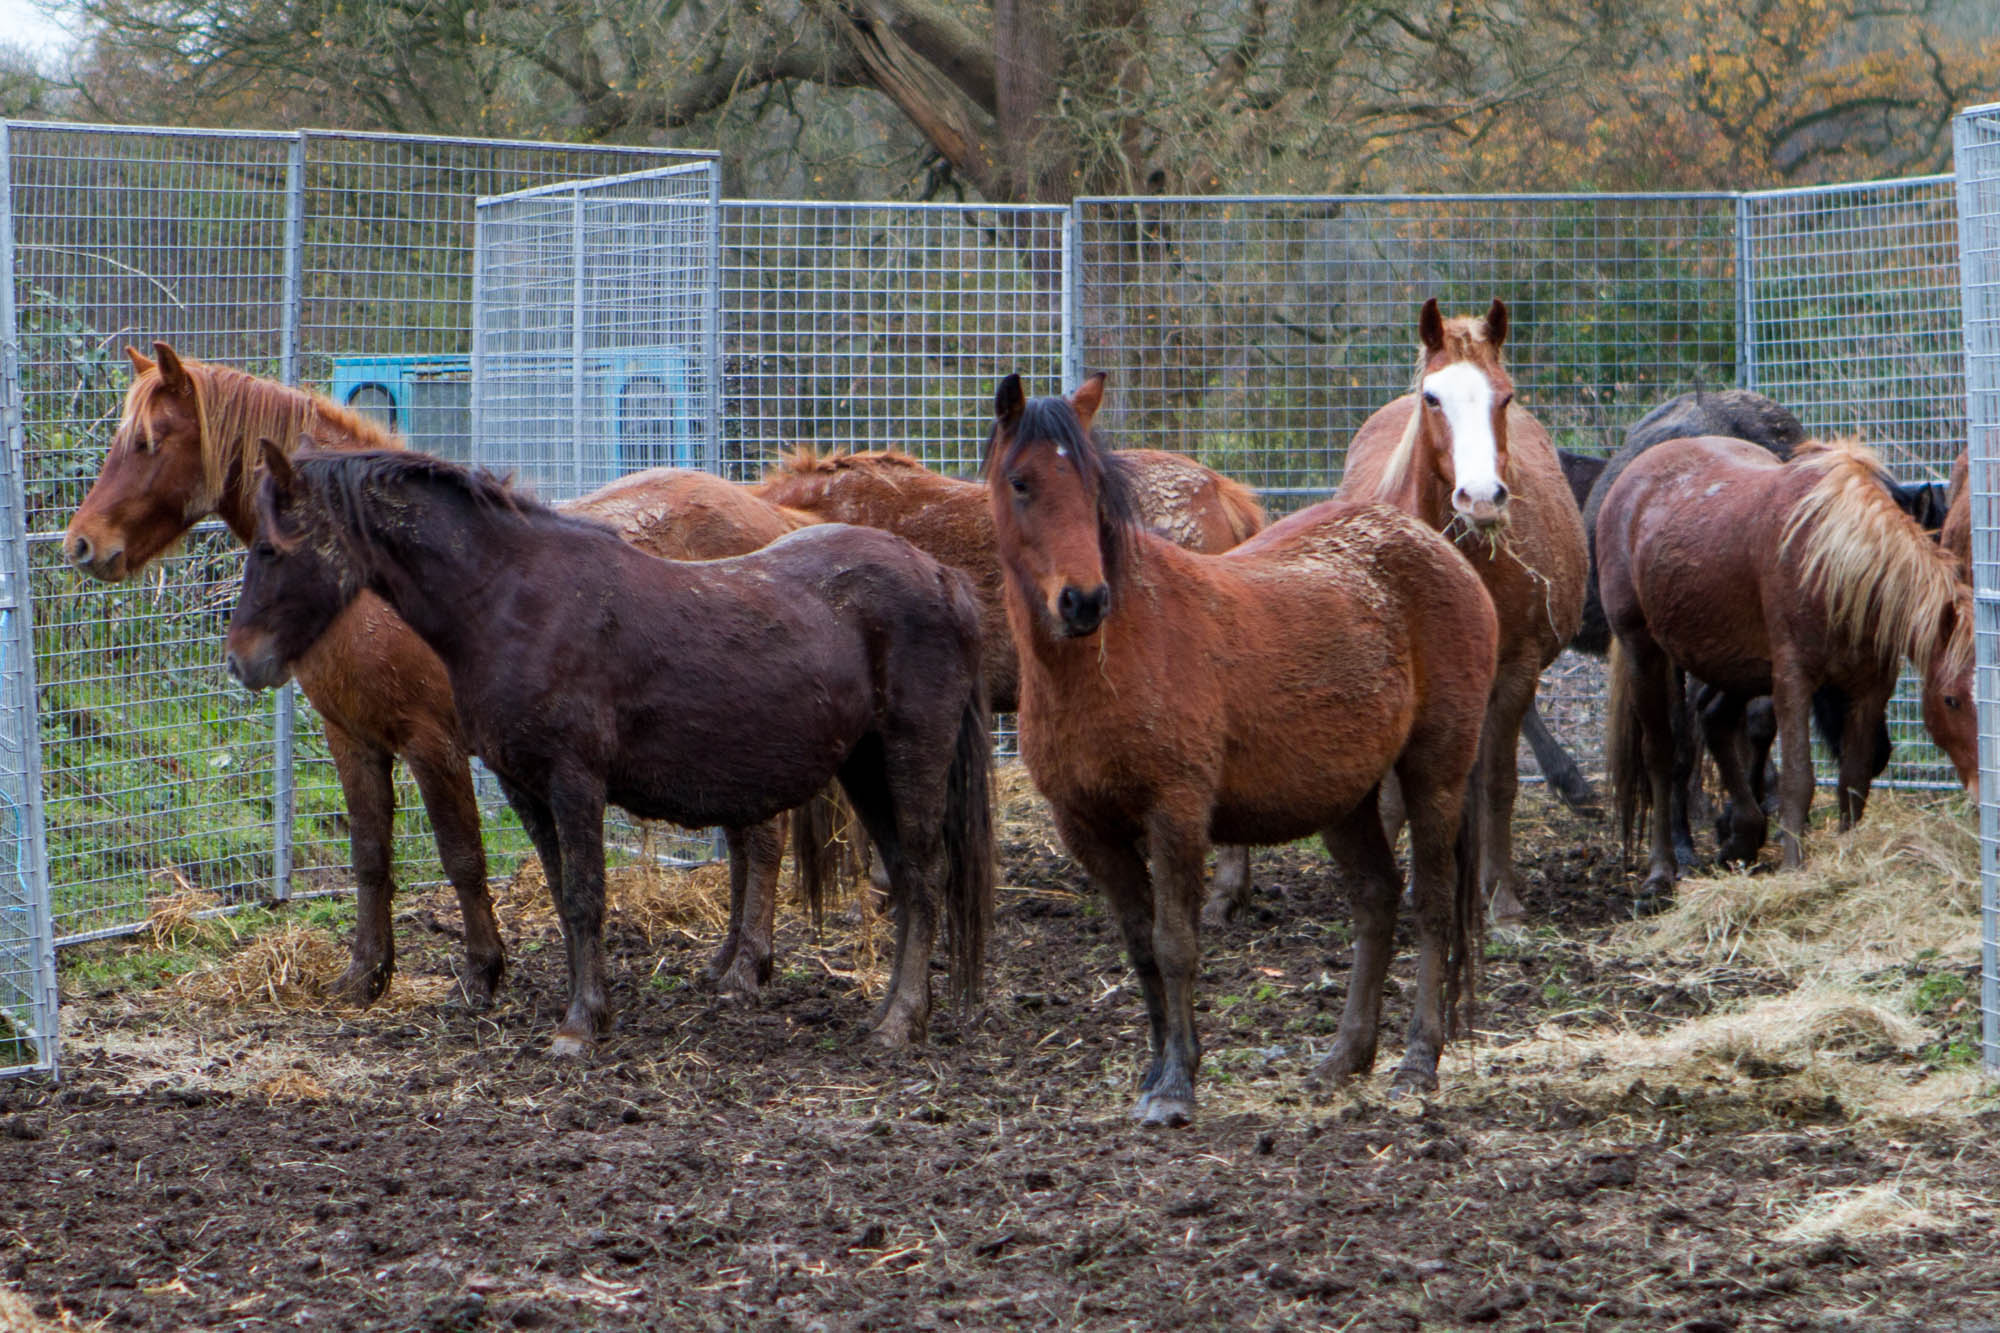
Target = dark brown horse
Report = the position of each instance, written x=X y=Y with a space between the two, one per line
x=1460 y=455
x=701 y=692
x=185 y=450
x=1169 y=698
x=1185 y=502
x=1761 y=577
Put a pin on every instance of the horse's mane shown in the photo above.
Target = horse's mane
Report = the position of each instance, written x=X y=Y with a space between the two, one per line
x=1885 y=583
x=1052 y=420
x=806 y=460
x=234 y=409
x=344 y=480
x=1464 y=340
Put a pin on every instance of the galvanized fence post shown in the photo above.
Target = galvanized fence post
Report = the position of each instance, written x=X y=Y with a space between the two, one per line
x=28 y=980
x=1976 y=154
x=283 y=775
x=1072 y=318
x=1746 y=346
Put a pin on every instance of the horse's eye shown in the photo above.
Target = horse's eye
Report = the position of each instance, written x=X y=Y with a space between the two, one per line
x=1430 y=399
x=1020 y=485
x=1953 y=702
x=264 y=551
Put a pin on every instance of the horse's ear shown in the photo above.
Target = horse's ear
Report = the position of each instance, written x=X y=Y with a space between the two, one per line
x=1430 y=327
x=141 y=363
x=277 y=466
x=1496 y=323
x=1086 y=398
x=173 y=375
x=1009 y=402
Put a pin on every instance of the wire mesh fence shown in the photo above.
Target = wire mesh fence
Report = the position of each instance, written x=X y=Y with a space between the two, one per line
x=1851 y=318
x=1976 y=141
x=882 y=326
x=343 y=261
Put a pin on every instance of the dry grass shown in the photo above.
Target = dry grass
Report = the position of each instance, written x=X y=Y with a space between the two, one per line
x=17 y=1315
x=1874 y=1210
x=1905 y=881
x=1839 y=933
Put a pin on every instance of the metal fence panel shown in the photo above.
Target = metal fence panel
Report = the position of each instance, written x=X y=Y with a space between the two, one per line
x=883 y=326
x=1976 y=137
x=158 y=772
x=1852 y=318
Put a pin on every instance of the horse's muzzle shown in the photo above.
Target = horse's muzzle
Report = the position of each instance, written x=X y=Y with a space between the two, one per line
x=106 y=563
x=257 y=670
x=1081 y=612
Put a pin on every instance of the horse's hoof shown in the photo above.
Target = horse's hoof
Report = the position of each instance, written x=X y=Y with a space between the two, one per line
x=895 y=1032
x=1158 y=1111
x=477 y=991
x=1412 y=1079
x=568 y=1047
x=1217 y=912
x=359 y=986
x=744 y=979
x=1506 y=909
x=1343 y=1062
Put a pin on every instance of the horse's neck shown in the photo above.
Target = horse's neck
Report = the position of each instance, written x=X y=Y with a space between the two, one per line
x=438 y=580
x=1422 y=492
x=233 y=505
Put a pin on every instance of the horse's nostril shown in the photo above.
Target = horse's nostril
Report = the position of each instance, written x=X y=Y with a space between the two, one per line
x=1500 y=493
x=79 y=550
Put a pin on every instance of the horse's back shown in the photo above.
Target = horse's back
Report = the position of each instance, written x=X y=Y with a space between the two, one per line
x=1188 y=502
x=684 y=514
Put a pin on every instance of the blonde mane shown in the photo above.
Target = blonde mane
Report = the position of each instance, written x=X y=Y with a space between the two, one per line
x=235 y=409
x=1884 y=581
x=1464 y=340
x=806 y=460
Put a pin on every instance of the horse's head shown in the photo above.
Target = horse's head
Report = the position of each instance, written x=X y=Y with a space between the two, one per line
x=1059 y=505
x=153 y=485
x=1462 y=397
x=1949 y=714
x=298 y=578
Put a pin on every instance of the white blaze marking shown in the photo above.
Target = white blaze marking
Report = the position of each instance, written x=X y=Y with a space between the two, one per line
x=1466 y=396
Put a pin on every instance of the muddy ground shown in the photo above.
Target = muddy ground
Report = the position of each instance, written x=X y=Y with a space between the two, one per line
x=726 y=1166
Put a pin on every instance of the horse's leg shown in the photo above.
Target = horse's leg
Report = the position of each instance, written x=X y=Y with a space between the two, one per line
x=1360 y=848
x=756 y=853
x=1177 y=848
x=1686 y=761
x=1559 y=768
x=1791 y=699
x=576 y=806
x=1740 y=828
x=1230 y=893
x=1760 y=733
x=1858 y=751
x=903 y=816
x=444 y=779
x=370 y=789
x=1115 y=864
x=1434 y=821
x=1499 y=743
x=1649 y=678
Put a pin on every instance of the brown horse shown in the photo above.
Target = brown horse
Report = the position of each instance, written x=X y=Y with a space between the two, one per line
x=1169 y=698
x=717 y=692
x=1956 y=533
x=1191 y=505
x=1761 y=577
x=1460 y=455
x=185 y=450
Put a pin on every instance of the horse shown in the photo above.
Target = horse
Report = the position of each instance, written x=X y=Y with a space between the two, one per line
x=184 y=450
x=1169 y=697
x=1460 y=455
x=1192 y=505
x=1762 y=577
x=702 y=692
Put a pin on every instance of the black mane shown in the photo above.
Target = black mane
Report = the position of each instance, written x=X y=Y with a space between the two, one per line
x=345 y=480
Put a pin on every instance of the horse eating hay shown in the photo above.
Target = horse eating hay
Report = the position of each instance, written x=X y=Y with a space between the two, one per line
x=702 y=692
x=1169 y=698
x=1761 y=577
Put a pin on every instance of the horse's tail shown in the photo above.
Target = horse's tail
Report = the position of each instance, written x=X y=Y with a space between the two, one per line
x=818 y=845
x=1624 y=758
x=968 y=849
x=1468 y=915
x=1239 y=505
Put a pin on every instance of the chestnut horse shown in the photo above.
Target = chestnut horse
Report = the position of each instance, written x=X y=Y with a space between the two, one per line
x=702 y=692
x=1460 y=455
x=1189 y=504
x=185 y=450
x=1169 y=698
x=1761 y=577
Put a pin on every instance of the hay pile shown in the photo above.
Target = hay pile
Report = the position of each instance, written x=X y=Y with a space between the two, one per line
x=1845 y=935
